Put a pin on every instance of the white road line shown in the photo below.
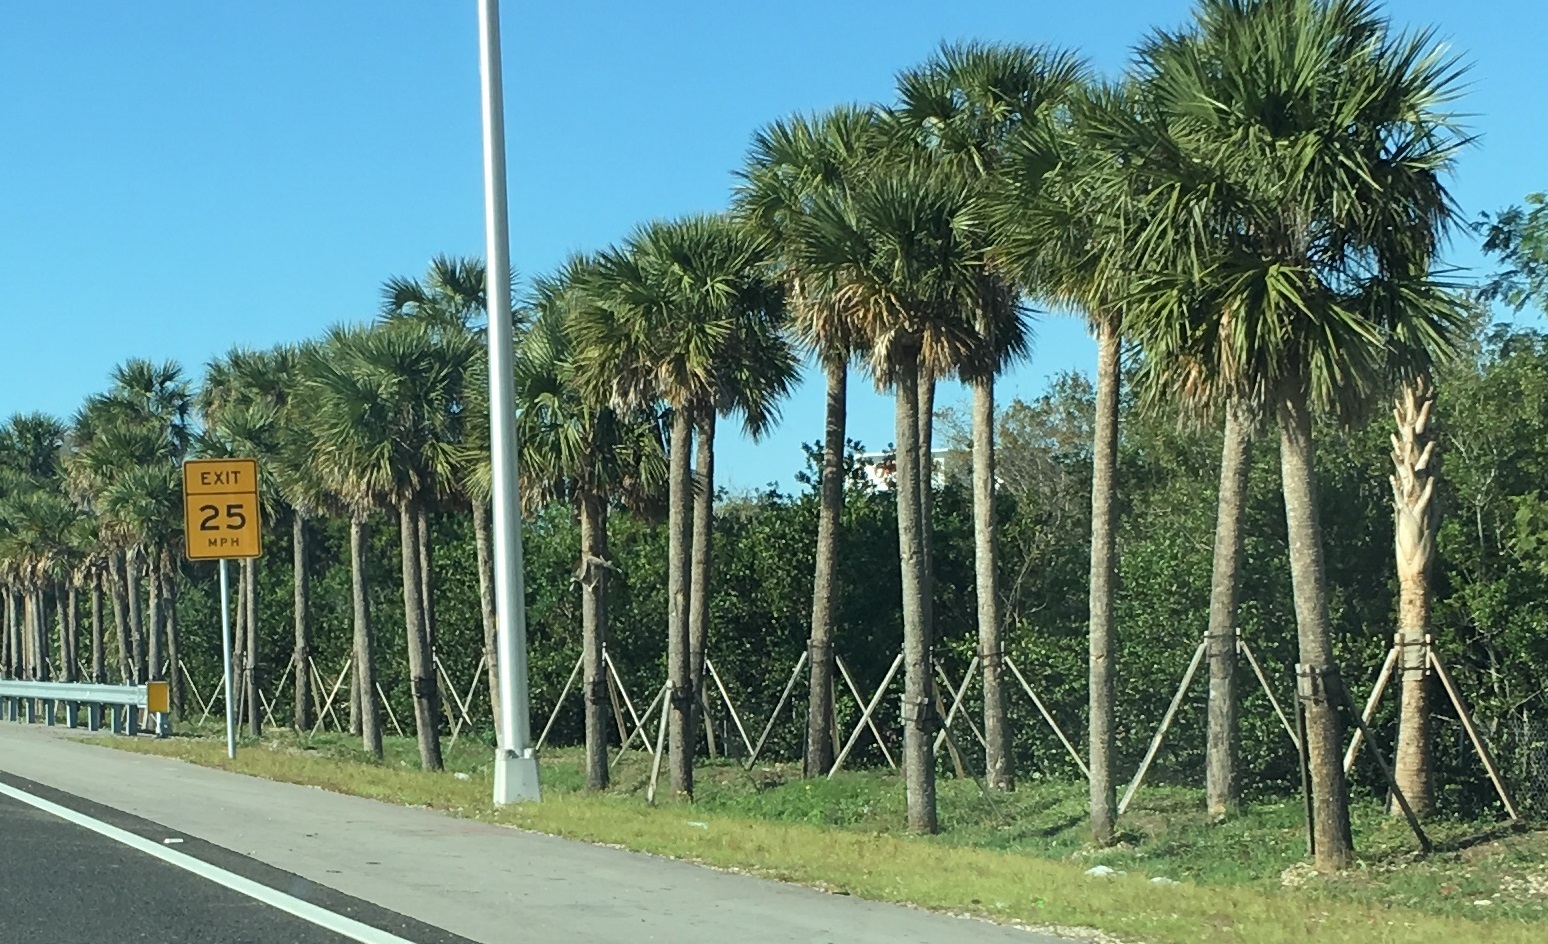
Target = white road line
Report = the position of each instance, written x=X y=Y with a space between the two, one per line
x=306 y=911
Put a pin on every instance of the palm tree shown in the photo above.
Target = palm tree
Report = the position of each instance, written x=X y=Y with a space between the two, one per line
x=685 y=313
x=585 y=453
x=389 y=407
x=1064 y=226
x=965 y=106
x=903 y=250
x=789 y=164
x=1291 y=264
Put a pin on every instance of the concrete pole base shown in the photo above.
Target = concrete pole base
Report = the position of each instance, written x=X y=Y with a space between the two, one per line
x=516 y=777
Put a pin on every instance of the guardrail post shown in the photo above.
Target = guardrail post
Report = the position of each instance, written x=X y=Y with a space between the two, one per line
x=93 y=717
x=32 y=711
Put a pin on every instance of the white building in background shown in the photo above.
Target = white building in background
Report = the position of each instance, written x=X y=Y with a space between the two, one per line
x=882 y=467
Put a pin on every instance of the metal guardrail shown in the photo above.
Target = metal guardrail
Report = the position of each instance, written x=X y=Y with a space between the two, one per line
x=120 y=705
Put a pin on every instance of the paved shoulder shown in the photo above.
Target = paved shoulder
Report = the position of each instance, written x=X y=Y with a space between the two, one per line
x=486 y=883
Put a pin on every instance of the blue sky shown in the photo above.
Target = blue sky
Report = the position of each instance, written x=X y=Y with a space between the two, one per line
x=177 y=177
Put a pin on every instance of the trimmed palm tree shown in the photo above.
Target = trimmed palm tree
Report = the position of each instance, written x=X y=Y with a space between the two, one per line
x=686 y=313
x=902 y=249
x=584 y=453
x=1293 y=204
x=1064 y=215
x=966 y=106
x=388 y=422
x=789 y=164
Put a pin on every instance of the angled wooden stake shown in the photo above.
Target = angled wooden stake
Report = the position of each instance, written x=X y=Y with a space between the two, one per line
x=779 y=707
x=854 y=690
x=559 y=705
x=726 y=697
x=865 y=716
x=1166 y=724
x=1382 y=678
x=1043 y=710
x=1479 y=744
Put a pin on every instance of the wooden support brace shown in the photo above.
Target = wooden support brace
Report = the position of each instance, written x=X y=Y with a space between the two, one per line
x=854 y=690
x=1043 y=710
x=730 y=706
x=655 y=764
x=391 y=716
x=327 y=708
x=1268 y=690
x=779 y=707
x=563 y=694
x=1382 y=678
x=958 y=693
x=1166 y=724
x=1479 y=744
x=865 y=716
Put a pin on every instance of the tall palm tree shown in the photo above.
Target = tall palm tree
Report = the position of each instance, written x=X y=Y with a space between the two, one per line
x=685 y=313
x=789 y=164
x=585 y=453
x=903 y=250
x=1293 y=208
x=1413 y=489
x=966 y=106
x=1064 y=216
x=390 y=418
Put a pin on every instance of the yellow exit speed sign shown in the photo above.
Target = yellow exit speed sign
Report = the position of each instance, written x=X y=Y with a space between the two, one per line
x=220 y=508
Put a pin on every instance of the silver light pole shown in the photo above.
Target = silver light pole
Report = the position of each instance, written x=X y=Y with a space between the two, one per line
x=516 y=768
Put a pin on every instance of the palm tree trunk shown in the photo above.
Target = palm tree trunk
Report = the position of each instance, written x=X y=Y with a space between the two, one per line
x=1324 y=728
x=422 y=679
x=40 y=637
x=118 y=582
x=426 y=578
x=997 y=761
x=819 y=716
x=254 y=651
x=98 y=648
x=365 y=663
x=1413 y=483
x=1104 y=566
x=918 y=714
x=486 y=601
x=926 y=469
x=699 y=581
x=302 y=583
x=593 y=571
x=153 y=624
x=136 y=614
x=174 y=673
x=65 y=604
x=1221 y=788
x=11 y=665
x=679 y=548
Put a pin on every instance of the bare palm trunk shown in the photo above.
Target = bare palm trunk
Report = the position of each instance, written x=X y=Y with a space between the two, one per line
x=154 y=641
x=427 y=722
x=71 y=619
x=98 y=649
x=918 y=714
x=1104 y=566
x=486 y=600
x=365 y=662
x=118 y=582
x=699 y=580
x=302 y=584
x=427 y=578
x=239 y=648
x=136 y=614
x=11 y=665
x=593 y=570
x=819 y=716
x=997 y=761
x=255 y=679
x=926 y=469
x=1413 y=483
x=1221 y=788
x=1324 y=728
x=174 y=673
x=66 y=672
x=679 y=548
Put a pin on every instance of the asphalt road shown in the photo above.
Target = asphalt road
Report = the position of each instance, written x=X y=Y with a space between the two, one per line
x=390 y=866
x=62 y=883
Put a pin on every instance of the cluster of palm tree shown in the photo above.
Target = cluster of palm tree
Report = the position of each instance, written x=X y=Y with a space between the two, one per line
x=1253 y=212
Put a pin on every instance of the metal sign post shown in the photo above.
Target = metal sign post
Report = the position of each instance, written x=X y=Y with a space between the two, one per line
x=221 y=521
